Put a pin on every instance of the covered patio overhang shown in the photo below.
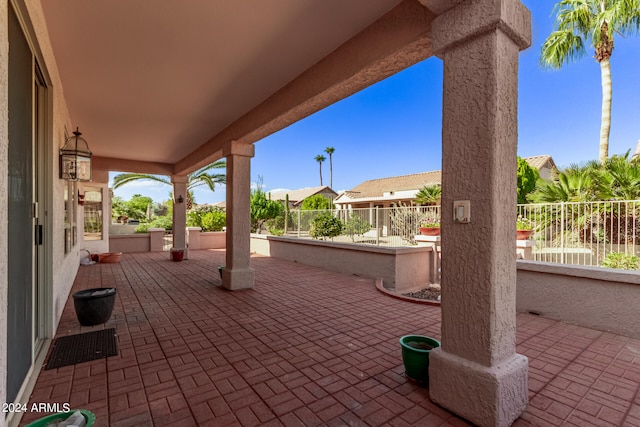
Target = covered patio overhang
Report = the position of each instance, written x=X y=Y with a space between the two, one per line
x=164 y=91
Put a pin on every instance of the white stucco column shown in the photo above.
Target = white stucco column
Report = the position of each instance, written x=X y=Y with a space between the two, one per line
x=477 y=372
x=179 y=211
x=238 y=273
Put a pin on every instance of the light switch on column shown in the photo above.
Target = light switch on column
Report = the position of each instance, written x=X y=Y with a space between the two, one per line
x=462 y=211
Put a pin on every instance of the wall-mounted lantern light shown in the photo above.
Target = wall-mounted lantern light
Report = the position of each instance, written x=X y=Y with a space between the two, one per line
x=180 y=199
x=75 y=159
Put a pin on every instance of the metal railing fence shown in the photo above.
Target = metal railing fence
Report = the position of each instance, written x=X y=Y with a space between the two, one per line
x=391 y=227
x=583 y=233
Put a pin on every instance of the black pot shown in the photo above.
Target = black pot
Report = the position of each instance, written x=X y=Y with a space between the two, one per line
x=94 y=306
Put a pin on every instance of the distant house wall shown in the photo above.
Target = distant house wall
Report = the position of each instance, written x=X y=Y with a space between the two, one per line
x=598 y=298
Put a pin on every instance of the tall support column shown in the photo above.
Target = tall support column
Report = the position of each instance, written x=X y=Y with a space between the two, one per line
x=179 y=211
x=477 y=372
x=237 y=273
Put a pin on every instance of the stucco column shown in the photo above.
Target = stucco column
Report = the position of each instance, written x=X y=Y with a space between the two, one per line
x=238 y=273
x=179 y=211
x=477 y=372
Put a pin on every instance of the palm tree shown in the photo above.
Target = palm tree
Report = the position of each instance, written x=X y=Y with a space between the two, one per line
x=593 y=22
x=570 y=185
x=194 y=179
x=320 y=158
x=429 y=195
x=620 y=179
x=329 y=151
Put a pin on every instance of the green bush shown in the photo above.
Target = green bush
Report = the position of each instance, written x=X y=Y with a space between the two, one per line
x=356 y=225
x=263 y=209
x=317 y=202
x=160 y=222
x=143 y=228
x=208 y=218
x=213 y=221
x=621 y=261
x=326 y=225
x=275 y=226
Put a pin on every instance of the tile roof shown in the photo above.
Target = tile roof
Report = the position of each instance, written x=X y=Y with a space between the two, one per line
x=300 y=194
x=377 y=187
x=539 y=162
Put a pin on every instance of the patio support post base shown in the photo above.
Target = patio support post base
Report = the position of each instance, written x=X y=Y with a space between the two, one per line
x=503 y=387
x=235 y=280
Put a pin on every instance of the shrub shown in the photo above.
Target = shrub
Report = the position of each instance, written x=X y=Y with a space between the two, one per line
x=143 y=228
x=263 y=209
x=621 y=261
x=160 y=222
x=213 y=221
x=356 y=225
x=326 y=225
x=208 y=218
x=317 y=202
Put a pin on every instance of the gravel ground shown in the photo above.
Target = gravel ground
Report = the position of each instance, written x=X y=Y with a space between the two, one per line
x=428 y=293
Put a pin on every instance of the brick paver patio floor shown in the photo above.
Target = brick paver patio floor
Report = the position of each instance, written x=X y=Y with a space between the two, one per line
x=306 y=346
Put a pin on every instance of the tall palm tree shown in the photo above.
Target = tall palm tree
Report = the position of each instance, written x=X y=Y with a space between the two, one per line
x=195 y=179
x=329 y=151
x=320 y=158
x=593 y=22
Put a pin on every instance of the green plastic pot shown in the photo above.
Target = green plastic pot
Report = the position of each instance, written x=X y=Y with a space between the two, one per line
x=415 y=356
x=89 y=417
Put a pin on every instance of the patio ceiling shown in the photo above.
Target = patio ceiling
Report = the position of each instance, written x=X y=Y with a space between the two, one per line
x=165 y=84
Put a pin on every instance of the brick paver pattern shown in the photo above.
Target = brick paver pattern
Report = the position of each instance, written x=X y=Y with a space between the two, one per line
x=306 y=346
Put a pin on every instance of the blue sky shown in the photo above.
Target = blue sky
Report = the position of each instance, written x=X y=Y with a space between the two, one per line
x=394 y=127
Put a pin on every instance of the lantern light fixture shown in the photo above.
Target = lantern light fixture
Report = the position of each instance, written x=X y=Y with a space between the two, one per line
x=180 y=199
x=75 y=159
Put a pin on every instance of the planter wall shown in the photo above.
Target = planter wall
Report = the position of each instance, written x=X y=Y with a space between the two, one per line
x=402 y=268
x=599 y=298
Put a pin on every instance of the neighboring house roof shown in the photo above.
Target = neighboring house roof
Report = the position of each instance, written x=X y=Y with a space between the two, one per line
x=378 y=187
x=406 y=186
x=540 y=162
x=296 y=196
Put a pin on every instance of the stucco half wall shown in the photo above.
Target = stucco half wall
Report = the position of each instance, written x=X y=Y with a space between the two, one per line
x=402 y=268
x=598 y=298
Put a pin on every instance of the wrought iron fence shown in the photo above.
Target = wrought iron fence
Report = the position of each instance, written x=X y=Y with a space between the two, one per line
x=567 y=233
x=583 y=233
x=391 y=227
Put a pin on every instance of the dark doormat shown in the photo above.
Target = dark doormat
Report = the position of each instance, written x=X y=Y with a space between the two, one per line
x=80 y=348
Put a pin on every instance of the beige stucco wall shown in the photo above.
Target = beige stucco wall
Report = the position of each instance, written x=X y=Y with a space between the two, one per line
x=211 y=240
x=129 y=243
x=60 y=267
x=598 y=298
x=402 y=268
